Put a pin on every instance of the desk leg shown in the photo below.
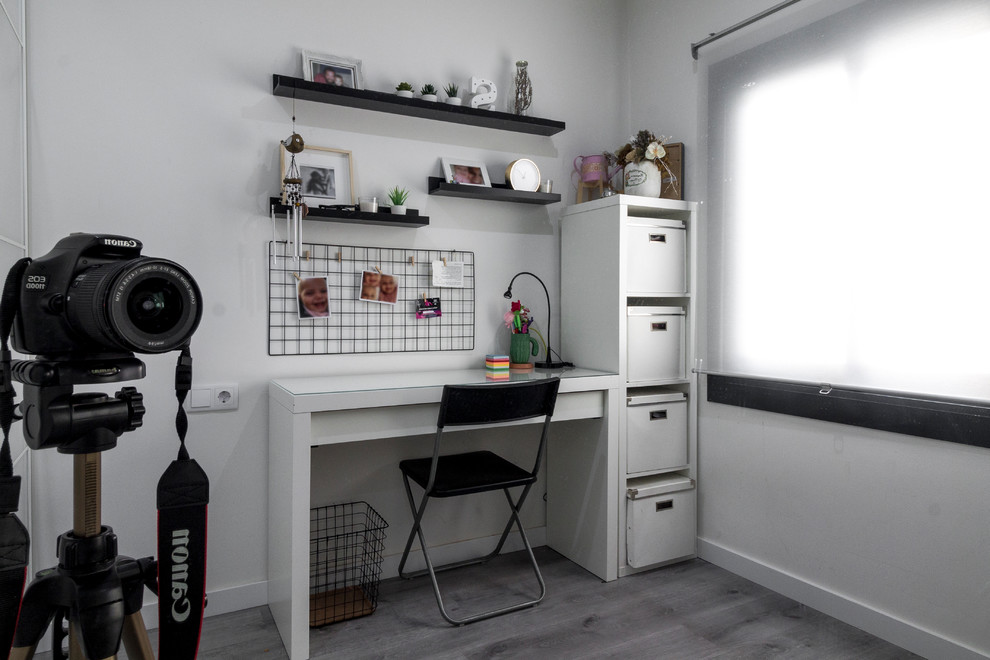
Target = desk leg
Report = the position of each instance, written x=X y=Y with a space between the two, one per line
x=582 y=492
x=289 y=438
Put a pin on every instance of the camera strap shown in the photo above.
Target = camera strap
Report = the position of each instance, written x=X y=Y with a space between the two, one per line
x=183 y=496
x=14 y=541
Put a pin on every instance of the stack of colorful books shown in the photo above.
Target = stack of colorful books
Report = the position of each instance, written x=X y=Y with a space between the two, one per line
x=497 y=367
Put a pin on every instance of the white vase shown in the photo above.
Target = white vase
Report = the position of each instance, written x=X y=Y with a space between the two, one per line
x=398 y=209
x=643 y=179
x=453 y=100
x=429 y=97
x=404 y=93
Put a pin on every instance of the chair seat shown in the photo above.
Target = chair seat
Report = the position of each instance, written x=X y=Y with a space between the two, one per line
x=462 y=474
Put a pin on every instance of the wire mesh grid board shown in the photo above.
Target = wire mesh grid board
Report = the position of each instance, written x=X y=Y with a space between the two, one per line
x=357 y=324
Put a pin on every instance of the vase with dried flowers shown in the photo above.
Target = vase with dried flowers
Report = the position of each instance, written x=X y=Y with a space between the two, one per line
x=524 y=88
x=645 y=164
x=521 y=346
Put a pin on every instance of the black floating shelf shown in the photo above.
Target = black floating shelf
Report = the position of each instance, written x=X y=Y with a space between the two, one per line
x=412 y=218
x=365 y=99
x=499 y=192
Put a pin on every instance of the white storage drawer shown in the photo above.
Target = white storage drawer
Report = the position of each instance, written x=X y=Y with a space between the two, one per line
x=655 y=343
x=655 y=257
x=660 y=520
x=656 y=432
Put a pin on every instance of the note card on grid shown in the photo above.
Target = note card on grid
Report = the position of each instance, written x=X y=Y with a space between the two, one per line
x=448 y=274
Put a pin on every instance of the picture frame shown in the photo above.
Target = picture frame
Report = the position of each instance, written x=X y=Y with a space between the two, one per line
x=378 y=287
x=327 y=175
x=465 y=171
x=346 y=71
x=671 y=188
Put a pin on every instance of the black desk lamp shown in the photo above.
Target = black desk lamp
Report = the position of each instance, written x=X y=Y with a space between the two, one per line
x=549 y=364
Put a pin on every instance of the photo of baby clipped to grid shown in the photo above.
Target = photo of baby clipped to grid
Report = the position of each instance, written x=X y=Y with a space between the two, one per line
x=379 y=287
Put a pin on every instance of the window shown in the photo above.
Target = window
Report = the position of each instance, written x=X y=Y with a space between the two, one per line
x=849 y=182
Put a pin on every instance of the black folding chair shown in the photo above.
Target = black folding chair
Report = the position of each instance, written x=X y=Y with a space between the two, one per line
x=479 y=471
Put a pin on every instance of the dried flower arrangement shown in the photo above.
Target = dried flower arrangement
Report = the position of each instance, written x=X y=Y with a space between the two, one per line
x=644 y=146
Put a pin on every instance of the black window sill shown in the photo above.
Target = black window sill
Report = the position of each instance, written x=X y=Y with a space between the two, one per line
x=939 y=419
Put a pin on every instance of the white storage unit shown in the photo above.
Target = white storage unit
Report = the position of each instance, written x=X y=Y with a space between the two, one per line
x=661 y=517
x=655 y=344
x=656 y=432
x=632 y=261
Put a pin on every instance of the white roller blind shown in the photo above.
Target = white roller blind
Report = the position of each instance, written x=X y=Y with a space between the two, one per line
x=849 y=181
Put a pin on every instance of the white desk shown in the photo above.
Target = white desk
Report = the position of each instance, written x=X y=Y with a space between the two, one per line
x=582 y=468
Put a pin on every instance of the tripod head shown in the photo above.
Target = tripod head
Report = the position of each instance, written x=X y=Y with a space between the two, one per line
x=82 y=423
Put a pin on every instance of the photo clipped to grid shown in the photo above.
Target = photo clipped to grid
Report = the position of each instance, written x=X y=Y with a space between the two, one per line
x=340 y=299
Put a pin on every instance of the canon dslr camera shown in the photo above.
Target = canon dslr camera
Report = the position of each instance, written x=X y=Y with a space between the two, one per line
x=84 y=309
x=95 y=296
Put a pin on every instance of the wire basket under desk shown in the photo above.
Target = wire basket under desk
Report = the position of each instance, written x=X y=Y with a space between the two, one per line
x=345 y=562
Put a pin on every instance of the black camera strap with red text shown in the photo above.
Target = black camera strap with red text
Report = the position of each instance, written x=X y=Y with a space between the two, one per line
x=14 y=541
x=183 y=497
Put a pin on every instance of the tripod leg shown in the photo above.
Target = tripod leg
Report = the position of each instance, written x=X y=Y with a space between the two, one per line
x=23 y=653
x=75 y=648
x=43 y=600
x=136 y=641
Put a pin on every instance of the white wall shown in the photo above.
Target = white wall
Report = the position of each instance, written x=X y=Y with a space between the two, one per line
x=13 y=190
x=887 y=531
x=156 y=120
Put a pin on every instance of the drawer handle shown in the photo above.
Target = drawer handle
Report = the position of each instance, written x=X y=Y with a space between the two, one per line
x=666 y=504
x=658 y=238
x=658 y=414
x=662 y=325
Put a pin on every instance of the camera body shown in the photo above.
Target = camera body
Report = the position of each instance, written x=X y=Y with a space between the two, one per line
x=95 y=296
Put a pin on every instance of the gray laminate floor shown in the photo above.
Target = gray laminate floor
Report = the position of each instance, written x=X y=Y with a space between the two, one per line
x=692 y=610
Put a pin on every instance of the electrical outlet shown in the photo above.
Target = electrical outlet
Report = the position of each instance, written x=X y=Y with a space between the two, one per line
x=203 y=398
x=225 y=397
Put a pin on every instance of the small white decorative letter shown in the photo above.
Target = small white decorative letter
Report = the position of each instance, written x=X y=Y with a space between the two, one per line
x=486 y=99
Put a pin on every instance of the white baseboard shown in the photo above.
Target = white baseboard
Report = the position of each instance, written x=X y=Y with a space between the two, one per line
x=908 y=636
x=451 y=552
x=221 y=601
x=246 y=596
x=224 y=601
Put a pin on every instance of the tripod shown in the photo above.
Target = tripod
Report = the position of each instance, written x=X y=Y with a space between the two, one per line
x=98 y=593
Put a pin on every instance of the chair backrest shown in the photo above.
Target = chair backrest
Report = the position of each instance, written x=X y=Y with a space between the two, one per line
x=497 y=402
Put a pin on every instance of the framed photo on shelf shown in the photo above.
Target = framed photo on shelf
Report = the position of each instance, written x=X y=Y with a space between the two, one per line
x=465 y=171
x=673 y=186
x=327 y=175
x=332 y=69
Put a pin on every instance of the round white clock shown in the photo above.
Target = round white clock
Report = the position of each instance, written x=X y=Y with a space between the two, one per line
x=523 y=174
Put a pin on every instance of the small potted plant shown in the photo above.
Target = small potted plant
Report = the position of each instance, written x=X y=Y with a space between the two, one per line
x=429 y=92
x=451 y=90
x=404 y=90
x=398 y=197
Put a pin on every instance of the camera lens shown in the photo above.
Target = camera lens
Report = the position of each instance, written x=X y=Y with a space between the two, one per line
x=145 y=305
x=155 y=306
